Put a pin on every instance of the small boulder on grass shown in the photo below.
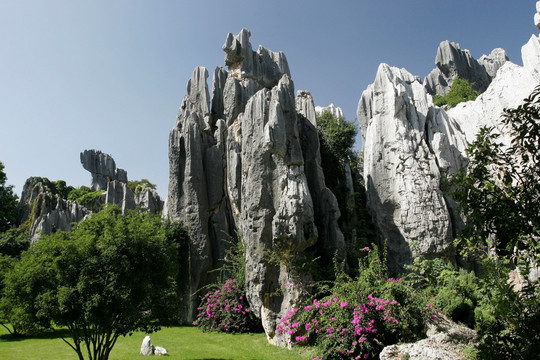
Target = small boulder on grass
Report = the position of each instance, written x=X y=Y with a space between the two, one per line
x=160 y=351
x=148 y=349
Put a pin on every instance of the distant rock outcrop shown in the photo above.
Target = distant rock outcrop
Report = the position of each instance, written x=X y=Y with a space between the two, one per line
x=114 y=181
x=336 y=111
x=452 y=62
x=249 y=163
x=46 y=210
x=103 y=169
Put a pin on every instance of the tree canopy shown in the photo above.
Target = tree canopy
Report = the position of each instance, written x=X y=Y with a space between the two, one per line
x=111 y=276
x=8 y=203
x=499 y=191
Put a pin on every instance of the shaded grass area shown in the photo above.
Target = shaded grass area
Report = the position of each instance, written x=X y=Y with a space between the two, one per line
x=185 y=343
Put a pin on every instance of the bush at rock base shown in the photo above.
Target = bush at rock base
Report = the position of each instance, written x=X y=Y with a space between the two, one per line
x=226 y=310
x=360 y=316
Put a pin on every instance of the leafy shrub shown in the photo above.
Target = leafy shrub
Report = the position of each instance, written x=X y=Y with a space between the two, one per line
x=86 y=197
x=361 y=316
x=461 y=91
x=456 y=292
x=508 y=322
x=226 y=310
x=138 y=186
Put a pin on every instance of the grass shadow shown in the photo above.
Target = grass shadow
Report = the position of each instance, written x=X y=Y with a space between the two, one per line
x=48 y=335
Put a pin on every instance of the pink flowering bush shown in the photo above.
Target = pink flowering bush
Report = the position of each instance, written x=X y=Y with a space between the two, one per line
x=360 y=316
x=226 y=310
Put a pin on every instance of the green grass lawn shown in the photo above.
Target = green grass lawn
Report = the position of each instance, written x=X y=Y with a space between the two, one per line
x=180 y=342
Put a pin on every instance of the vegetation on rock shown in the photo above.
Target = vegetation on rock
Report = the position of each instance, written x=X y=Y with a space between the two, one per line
x=461 y=91
x=8 y=203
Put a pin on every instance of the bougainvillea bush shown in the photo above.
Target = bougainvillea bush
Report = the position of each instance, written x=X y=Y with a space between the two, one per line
x=361 y=316
x=226 y=310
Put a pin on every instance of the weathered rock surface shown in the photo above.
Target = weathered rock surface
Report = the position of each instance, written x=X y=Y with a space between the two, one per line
x=494 y=61
x=512 y=84
x=147 y=348
x=452 y=62
x=247 y=173
x=336 y=111
x=188 y=195
x=400 y=168
x=160 y=351
x=47 y=211
x=409 y=144
x=326 y=208
x=103 y=169
x=530 y=54
x=150 y=200
x=445 y=341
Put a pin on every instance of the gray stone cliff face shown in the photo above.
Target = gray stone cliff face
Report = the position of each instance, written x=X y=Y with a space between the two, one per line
x=325 y=204
x=410 y=145
x=401 y=170
x=48 y=212
x=247 y=163
x=103 y=169
x=451 y=62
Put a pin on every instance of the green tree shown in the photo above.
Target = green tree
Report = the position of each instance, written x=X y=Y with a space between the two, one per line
x=461 y=91
x=8 y=203
x=499 y=191
x=111 y=276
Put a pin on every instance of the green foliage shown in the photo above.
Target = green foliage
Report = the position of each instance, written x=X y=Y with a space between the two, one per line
x=508 y=322
x=461 y=91
x=456 y=292
x=138 y=186
x=499 y=192
x=226 y=309
x=112 y=275
x=86 y=197
x=358 y=317
x=337 y=134
x=8 y=203
x=14 y=241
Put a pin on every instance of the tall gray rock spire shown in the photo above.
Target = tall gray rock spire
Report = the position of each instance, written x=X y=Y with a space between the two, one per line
x=249 y=164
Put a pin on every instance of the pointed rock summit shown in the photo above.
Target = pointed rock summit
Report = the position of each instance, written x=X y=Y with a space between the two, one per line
x=247 y=162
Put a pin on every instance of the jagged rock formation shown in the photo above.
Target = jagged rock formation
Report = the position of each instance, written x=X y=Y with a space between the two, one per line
x=326 y=208
x=249 y=164
x=409 y=144
x=453 y=62
x=47 y=211
x=399 y=127
x=149 y=200
x=114 y=181
x=494 y=61
x=103 y=169
x=336 y=111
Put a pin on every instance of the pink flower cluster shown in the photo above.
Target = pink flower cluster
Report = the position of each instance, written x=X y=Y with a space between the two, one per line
x=348 y=329
x=224 y=310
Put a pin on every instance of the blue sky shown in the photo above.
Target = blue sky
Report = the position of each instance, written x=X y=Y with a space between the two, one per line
x=110 y=75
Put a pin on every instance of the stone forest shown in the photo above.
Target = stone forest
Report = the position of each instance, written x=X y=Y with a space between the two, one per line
x=399 y=251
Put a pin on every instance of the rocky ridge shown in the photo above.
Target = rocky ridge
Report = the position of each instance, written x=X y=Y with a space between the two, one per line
x=49 y=212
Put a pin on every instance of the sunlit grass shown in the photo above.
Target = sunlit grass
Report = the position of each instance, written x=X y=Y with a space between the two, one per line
x=180 y=342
